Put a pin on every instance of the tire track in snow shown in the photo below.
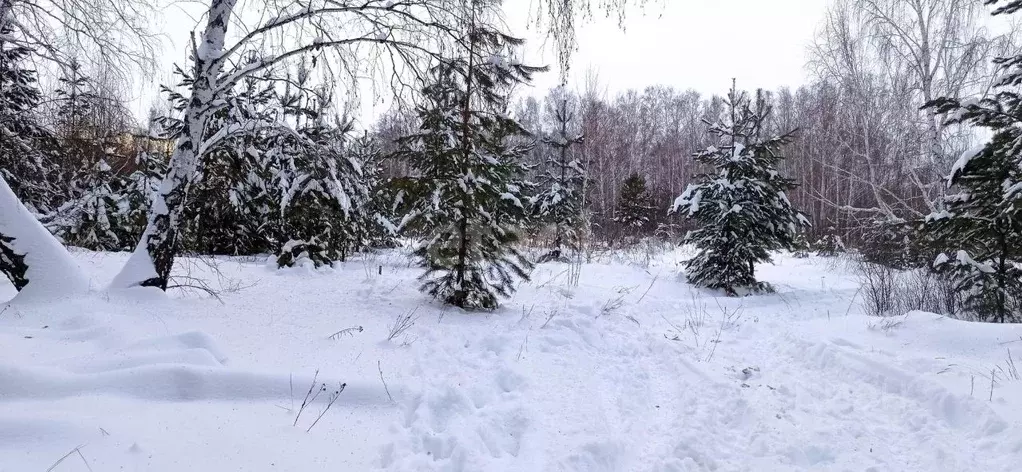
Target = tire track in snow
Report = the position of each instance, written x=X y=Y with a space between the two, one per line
x=899 y=420
x=606 y=395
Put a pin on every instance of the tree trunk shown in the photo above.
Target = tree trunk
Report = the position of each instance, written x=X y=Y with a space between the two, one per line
x=466 y=149
x=153 y=259
x=6 y=12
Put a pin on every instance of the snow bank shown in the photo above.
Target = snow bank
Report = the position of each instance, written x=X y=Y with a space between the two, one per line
x=51 y=270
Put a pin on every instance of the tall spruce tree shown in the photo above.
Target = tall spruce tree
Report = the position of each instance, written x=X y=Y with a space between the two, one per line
x=81 y=148
x=559 y=201
x=471 y=170
x=980 y=228
x=740 y=207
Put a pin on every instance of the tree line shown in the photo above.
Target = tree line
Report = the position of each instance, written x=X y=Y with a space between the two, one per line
x=254 y=156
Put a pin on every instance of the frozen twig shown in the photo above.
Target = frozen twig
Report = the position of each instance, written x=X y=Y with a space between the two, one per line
x=76 y=450
x=333 y=398
x=308 y=397
x=345 y=332
x=993 y=377
x=402 y=324
x=379 y=367
x=648 y=289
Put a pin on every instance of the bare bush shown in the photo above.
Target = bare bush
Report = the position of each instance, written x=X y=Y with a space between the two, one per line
x=879 y=284
x=891 y=292
x=193 y=277
x=402 y=324
x=1009 y=370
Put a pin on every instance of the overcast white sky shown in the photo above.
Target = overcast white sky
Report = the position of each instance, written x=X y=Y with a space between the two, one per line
x=699 y=44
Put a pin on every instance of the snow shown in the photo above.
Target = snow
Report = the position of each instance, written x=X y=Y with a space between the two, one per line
x=631 y=370
x=964 y=258
x=139 y=267
x=691 y=198
x=963 y=161
x=737 y=150
x=51 y=271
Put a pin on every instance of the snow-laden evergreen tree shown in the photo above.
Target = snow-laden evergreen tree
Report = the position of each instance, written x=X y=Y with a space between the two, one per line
x=280 y=177
x=559 y=201
x=229 y=194
x=830 y=244
x=378 y=215
x=634 y=205
x=325 y=196
x=27 y=148
x=980 y=228
x=98 y=219
x=740 y=207
x=472 y=171
x=326 y=201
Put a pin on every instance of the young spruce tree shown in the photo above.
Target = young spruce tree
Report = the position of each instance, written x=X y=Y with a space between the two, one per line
x=560 y=199
x=97 y=219
x=634 y=205
x=980 y=228
x=472 y=172
x=740 y=207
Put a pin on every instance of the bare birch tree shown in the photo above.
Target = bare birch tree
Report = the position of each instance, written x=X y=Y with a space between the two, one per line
x=887 y=58
x=118 y=31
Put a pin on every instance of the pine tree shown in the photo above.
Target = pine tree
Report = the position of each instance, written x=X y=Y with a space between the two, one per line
x=982 y=224
x=27 y=148
x=225 y=217
x=75 y=98
x=634 y=205
x=471 y=171
x=86 y=134
x=741 y=207
x=979 y=231
x=560 y=199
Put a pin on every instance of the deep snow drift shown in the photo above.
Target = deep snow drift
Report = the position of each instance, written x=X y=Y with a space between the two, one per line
x=632 y=370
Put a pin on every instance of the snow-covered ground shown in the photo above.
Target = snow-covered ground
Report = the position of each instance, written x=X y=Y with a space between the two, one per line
x=632 y=370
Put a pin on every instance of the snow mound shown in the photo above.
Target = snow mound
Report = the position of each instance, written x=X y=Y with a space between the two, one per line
x=51 y=270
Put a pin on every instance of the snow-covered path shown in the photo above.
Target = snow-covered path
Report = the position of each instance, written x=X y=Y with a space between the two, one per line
x=632 y=370
x=774 y=390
